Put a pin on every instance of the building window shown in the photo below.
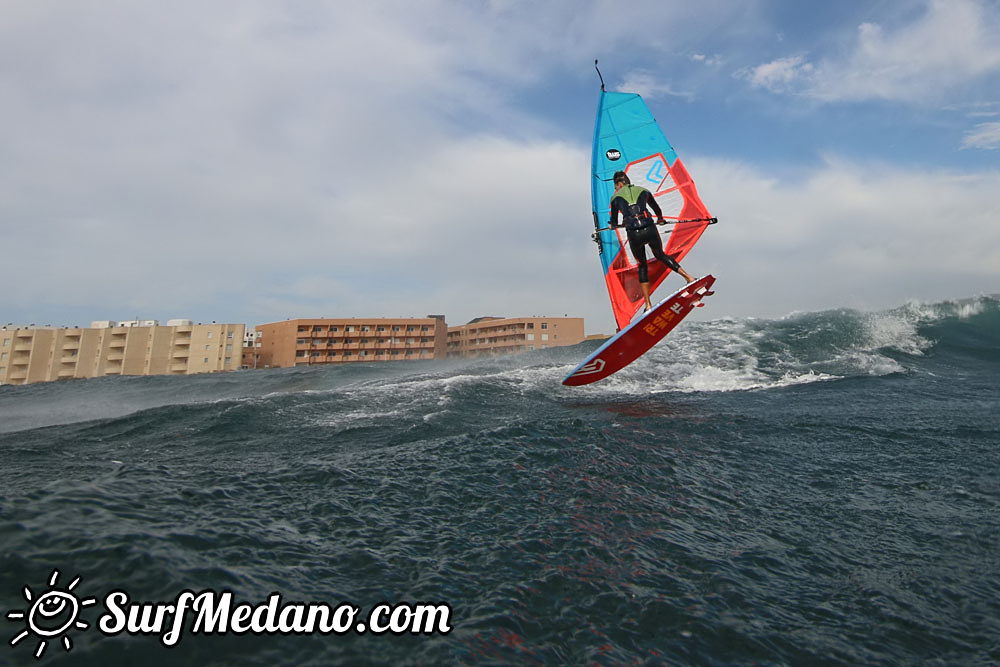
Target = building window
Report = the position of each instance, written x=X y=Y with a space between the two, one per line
x=545 y=325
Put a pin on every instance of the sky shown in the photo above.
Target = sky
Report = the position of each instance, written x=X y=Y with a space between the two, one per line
x=251 y=161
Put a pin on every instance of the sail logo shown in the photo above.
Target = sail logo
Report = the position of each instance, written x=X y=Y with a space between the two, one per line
x=656 y=173
x=614 y=154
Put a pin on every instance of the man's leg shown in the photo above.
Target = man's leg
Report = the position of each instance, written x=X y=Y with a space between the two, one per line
x=639 y=252
x=657 y=247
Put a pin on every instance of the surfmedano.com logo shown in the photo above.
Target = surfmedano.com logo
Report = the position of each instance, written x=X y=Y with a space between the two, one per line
x=50 y=616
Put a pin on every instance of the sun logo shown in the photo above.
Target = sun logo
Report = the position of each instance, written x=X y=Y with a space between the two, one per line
x=51 y=615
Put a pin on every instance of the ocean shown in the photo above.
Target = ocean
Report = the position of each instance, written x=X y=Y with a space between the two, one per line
x=819 y=489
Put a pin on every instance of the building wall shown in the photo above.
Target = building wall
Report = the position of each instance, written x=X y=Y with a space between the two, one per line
x=30 y=355
x=493 y=336
x=305 y=342
x=251 y=349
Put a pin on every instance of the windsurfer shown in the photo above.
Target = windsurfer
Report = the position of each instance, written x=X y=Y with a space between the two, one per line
x=632 y=202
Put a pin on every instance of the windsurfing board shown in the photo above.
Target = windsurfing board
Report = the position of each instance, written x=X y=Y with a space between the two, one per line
x=641 y=334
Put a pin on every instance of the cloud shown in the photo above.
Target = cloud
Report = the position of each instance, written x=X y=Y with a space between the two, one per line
x=985 y=135
x=782 y=74
x=649 y=85
x=953 y=43
x=867 y=235
x=712 y=61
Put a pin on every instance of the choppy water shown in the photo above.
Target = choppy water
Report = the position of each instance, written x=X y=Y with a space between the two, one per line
x=819 y=489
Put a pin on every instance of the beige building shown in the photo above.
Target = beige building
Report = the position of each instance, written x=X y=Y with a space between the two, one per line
x=41 y=354
x=491 y=336
x=305 y=342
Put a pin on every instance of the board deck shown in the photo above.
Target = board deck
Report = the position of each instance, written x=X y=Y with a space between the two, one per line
x=641 y=334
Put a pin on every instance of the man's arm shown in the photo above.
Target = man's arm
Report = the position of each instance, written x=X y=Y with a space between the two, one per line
x=615 y=210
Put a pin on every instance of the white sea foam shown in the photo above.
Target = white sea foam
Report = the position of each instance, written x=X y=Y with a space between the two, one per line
x=895 y=330
x=739 y=355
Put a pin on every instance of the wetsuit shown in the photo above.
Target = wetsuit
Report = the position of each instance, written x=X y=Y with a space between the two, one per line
x=631 y=201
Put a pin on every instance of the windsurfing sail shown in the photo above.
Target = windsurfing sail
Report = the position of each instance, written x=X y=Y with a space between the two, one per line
x=627 y=138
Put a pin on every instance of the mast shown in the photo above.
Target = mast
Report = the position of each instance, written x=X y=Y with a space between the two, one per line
x=599 y=75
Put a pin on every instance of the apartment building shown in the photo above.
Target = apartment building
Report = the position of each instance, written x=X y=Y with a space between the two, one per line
x=42 y=354
x=493 y=336
x=304 y=342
